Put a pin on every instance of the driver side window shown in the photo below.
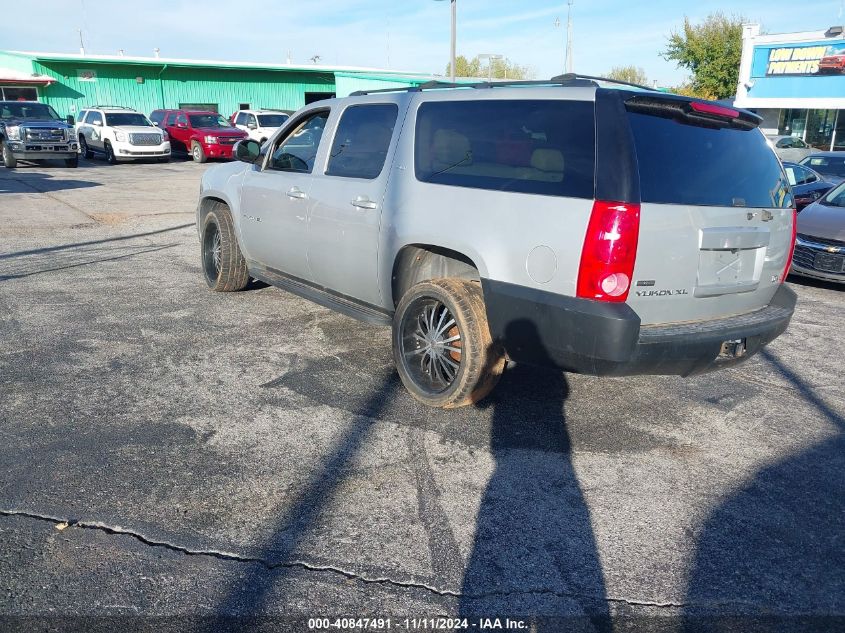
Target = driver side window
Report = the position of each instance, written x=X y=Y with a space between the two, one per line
x=297 y=150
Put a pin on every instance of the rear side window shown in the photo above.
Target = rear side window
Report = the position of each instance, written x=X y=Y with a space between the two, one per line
x=362 y=140
x=528 y=146
x=683 y=163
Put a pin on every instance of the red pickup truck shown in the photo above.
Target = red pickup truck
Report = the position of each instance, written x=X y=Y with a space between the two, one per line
x=202 y=135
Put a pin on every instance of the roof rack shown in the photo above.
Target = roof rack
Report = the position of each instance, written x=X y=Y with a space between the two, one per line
x=569 y=79
x=108 y=107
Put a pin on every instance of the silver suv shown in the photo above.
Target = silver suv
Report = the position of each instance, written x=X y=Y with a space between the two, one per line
x=584 y=225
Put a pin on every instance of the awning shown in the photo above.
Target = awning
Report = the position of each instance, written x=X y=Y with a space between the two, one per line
x=9 y=76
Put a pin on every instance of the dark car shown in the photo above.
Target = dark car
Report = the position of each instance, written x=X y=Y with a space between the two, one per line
x=830 y=165
x=820 y=242
x=807 y=185
x=201 y=135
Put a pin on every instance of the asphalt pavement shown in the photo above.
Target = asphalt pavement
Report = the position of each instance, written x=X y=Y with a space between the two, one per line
x=179 y=458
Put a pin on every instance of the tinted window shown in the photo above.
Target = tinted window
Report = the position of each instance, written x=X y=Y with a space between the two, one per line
x=681 y=163
x=831 y=165
x=544 y=147
x=27 y=110
x=798 y=175
x=95 y=117
x=240 y=119
x=784 y=142
x=272 y=120
x=362 y=140
x=297 y=150
x=836 y=197
x=157 y=117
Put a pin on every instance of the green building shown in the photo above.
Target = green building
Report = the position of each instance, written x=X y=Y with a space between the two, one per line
x=70 y=82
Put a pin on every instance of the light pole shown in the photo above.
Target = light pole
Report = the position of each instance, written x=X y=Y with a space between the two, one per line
x=490 y=57
x=454 y=4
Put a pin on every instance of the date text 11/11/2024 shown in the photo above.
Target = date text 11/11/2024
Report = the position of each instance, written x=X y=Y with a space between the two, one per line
x=416 y=624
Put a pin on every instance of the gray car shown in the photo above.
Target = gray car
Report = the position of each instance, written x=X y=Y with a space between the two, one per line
x=820 y=245
x=571 y=223
x=790 y=148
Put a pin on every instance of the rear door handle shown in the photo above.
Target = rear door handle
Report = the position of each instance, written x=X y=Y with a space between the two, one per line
x=296 y=192
x=363 y=202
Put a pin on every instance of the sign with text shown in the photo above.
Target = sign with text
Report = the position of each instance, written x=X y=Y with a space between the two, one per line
x=806 y=60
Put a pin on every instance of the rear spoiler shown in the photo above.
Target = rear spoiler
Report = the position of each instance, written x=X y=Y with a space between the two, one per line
x=693 y=111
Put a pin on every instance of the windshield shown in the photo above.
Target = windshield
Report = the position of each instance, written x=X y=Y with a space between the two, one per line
x=836 y=197
x=272 y=120
x=127 y=118
x=27 y=110
x=208 y=120
x=829 y=165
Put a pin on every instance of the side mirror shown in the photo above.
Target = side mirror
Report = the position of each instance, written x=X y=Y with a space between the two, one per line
x=70 y=120
x=248 y=150
x=181 y=124
x=98 y=123
x=156 y=124
x=251 y=125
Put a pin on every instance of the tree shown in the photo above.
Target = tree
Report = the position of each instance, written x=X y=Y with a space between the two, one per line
x=711 y=52
x=502 y=68
x=631 y=74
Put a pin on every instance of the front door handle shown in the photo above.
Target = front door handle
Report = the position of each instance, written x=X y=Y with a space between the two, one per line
x=296 y=192
x=363 y=202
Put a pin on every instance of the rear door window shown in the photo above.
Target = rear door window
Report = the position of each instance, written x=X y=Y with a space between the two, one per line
x=362 y=140
x=528 y=146
x=686 y=163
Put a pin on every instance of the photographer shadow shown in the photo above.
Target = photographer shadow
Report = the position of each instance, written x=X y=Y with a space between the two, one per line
x=534 y=552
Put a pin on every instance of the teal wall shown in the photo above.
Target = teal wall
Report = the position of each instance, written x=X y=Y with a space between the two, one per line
x=116 y=85
x=347 y=84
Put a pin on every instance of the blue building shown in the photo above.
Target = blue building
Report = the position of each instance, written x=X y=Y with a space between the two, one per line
x=796 y=82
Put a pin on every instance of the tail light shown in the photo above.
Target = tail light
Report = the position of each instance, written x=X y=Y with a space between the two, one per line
x=791 y=245
x=610 y=250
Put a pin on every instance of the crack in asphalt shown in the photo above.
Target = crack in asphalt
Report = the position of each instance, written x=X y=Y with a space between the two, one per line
x=232 y=557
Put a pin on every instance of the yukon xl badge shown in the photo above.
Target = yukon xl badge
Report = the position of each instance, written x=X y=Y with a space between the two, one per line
x=661 y=293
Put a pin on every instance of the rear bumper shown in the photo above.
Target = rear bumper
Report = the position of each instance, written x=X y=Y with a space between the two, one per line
x=606 y=339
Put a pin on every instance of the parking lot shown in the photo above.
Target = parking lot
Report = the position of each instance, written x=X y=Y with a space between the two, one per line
x=169 y=451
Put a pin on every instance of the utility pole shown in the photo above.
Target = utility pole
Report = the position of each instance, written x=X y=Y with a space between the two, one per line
x=568 y=62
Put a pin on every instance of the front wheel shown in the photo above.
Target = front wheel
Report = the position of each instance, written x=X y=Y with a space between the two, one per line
x=223 y=264
x=198 y=153
x=442 y=345
x=9 y=160
x=110 y=157
x=84 y=149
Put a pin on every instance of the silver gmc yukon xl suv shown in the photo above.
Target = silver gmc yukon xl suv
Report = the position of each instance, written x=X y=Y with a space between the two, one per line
x=584 y=225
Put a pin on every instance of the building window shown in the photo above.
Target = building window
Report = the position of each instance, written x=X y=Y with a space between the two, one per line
x=792 y=122
x=18 y=93
x=820 y=125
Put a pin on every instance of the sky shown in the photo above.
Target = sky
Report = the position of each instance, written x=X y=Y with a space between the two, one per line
x=411 y=35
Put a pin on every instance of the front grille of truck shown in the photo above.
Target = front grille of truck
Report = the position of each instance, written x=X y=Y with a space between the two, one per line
x=45 y=135
x=145 y=139
x=228 y=140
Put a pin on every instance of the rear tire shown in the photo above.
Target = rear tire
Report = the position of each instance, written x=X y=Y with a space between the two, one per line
x=442 y=345
x=9 y=160
x=111 y=159
x=198 y=153
x=223 y=264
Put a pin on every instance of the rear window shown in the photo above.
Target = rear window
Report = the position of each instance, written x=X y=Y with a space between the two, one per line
x=542 y=146
x=681 y=163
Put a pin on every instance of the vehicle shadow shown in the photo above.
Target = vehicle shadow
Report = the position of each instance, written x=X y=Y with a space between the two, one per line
x=815 y=283
x=19 y=181
x=75 y=245
x=772 y=555
x=245 y=603
x=534 y=550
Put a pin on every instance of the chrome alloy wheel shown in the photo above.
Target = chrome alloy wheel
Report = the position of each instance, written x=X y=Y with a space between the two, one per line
x=431 y=345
